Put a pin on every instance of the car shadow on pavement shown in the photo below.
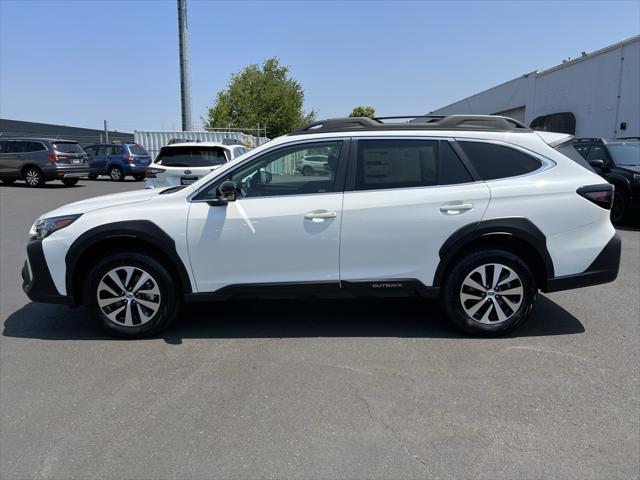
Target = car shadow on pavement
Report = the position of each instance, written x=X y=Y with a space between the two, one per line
x=46 y=186
x=286 y=318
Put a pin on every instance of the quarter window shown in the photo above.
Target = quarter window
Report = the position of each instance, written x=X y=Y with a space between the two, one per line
x=34 y=147
x=493 y=161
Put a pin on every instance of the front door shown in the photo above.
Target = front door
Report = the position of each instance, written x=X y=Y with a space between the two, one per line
x=283 y=228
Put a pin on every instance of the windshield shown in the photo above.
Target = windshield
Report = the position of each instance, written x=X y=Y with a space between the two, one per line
x=193 y=156
x=67 y=147
x=625 y=153
x=136 y=149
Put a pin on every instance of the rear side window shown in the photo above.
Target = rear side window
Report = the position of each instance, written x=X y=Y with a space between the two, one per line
x=34 y=147
x=67 y=147
x=16 y=146
x=90 y=150
x=191 y=156
x=384 y=164
x=493 y=161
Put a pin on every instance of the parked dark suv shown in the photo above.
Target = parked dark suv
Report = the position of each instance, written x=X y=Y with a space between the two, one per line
x=118 y=160
x=618 y=161
x=40 y=160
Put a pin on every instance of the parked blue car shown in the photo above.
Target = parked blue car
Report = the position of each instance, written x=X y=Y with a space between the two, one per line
x=117 y=160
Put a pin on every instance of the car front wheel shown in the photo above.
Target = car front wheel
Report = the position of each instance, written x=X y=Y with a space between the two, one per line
x=488 y=293
x=132 y=294
x=33 y=177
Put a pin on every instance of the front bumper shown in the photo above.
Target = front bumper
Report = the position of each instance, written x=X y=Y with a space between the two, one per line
x=604 y=269
x=36 y=279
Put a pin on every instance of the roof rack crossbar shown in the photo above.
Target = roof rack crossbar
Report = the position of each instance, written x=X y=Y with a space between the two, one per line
x=434 y=122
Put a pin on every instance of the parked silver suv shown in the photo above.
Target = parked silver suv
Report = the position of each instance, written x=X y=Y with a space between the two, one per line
x=40 y=160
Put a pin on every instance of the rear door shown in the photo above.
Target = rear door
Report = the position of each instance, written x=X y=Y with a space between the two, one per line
x=407 y=196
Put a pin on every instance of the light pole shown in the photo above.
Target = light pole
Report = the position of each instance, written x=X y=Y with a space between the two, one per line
x=185 y=94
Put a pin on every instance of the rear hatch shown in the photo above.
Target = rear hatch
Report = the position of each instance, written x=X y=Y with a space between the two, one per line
x=69 y=153
x=185 y=164
x=139 y=155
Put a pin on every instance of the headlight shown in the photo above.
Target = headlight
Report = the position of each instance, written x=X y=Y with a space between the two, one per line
x=46 y=226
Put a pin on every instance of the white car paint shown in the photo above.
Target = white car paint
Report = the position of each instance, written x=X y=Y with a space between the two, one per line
x=374 y=234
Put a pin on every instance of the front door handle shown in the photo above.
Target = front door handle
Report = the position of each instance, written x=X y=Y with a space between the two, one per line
x=455 y=208
x=319 y=215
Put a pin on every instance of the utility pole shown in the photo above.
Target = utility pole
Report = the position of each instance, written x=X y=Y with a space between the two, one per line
x=106 y=132
x=185 y=94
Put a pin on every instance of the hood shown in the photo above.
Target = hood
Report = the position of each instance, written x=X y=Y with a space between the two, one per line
x=631 y=168
x=95 y=203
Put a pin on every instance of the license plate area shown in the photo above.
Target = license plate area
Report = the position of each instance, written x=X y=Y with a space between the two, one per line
x=188 y=180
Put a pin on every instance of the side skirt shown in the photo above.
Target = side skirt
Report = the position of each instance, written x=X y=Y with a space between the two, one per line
x=347 y=289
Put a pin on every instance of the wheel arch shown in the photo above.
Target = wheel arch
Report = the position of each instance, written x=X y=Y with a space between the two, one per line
x=141 y=235
x=29 y=165
x=516 y=235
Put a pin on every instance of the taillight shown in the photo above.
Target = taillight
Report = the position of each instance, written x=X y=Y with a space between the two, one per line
x=602 y=195
x=129 y=158
x=151 y=172
x=52 y=157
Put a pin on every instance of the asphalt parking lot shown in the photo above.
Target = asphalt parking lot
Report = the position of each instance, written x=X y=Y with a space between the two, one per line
x=316 y=388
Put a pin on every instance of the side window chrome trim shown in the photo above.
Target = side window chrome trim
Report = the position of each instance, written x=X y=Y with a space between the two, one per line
x=546 y=163
x=262 y=153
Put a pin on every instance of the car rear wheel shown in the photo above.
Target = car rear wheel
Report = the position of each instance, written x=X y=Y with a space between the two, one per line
x=132 y=294
x=70 y=182
x=619 y=209
x=489 y=293
x=33 y=177
x=116 y=174
x=307 y=171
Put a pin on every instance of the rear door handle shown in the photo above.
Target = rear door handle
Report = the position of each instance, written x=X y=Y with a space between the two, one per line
x=455 y=208
x=319 y=215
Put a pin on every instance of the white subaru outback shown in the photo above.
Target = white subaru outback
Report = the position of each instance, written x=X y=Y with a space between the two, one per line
x=479 y=211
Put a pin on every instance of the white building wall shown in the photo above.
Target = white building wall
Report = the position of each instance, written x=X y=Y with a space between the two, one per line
x=588 y=87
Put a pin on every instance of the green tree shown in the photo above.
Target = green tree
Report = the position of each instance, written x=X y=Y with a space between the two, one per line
x=266 y=95
x=363 y=111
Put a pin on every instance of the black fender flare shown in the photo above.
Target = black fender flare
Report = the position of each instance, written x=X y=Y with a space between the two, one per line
x=144 y=230
x=520 y=228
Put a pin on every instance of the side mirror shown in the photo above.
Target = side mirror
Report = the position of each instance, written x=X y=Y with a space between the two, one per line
x=599 y=164
x=226 y=193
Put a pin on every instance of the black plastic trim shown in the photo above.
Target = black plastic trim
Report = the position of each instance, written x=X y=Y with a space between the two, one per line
x=40 y=286
x=144 y=230
x=520 y=228
x=603 y=269
x=393 y=287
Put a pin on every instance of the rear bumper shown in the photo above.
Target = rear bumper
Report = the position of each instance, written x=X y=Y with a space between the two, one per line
x=69 y=171
x=36 y=279
x=604 y=269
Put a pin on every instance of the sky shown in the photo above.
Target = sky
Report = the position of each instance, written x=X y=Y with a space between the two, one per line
x=81 y=62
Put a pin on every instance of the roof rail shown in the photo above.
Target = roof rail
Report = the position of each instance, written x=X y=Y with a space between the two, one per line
x=421 y=122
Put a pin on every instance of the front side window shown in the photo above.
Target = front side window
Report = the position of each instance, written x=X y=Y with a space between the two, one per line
x=276 y=173
x=598 y=152
x=493 y=161
x=625 y=153
x=384 y=164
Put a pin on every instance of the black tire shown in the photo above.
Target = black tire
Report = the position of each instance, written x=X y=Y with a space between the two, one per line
x=92 y=176
x=619 y=209
x=307 y=171
x=8 y=181
x=139 y=177
x=452 y=290
x=169 y=299
x=70 y=182
x=116 y=174
x=33 y=177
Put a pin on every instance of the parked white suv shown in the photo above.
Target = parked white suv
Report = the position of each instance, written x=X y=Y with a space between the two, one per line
x=477 y=210
x=187 y=162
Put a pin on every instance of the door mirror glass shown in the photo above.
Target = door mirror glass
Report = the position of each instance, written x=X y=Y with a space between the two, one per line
x=227 y=191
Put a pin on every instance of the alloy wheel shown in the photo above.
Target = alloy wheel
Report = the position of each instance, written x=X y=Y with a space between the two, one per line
x=128 y=296
x=32 y=177
x=491 y=293
x=116 y=174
